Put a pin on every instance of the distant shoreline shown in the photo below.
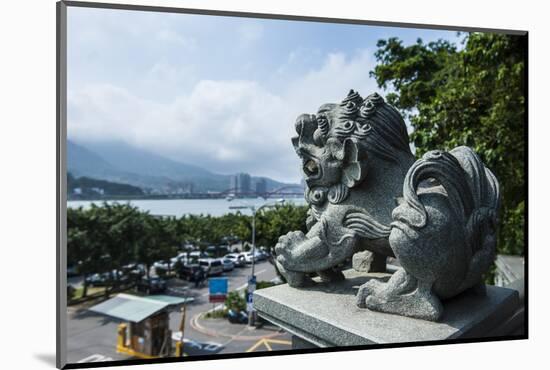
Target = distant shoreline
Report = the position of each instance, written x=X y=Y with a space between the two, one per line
x=174 y=197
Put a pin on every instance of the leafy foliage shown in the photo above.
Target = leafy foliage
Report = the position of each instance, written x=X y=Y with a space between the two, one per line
x=274 y=222
x=474 y=96
x=235 y=301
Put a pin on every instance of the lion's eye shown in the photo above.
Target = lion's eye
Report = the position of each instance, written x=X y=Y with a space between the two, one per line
x=348 y=125
x=311 y=168
x=366 y=127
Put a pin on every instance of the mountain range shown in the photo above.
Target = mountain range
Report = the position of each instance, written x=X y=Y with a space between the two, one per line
x=122 y=163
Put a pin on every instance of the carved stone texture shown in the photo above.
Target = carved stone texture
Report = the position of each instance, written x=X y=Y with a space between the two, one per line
x=366 y=192
x=367 y=261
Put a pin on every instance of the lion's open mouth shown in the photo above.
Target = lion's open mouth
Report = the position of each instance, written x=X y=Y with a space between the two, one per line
x=311 y=168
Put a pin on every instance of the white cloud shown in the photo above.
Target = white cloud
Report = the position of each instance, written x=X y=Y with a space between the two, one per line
x=227 y=126
x=331 y=82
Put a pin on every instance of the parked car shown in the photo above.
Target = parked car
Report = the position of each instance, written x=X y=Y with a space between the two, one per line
x=212 y=266
x=266 y=252
x=237 y=317
x=106 y=278
x=228 y=265
x=182 y=257
x=164 y=264
x=134 y=270
x=97 y=279
x=248 y=257
x=260 y=255
x=237 y=259
x=151 y=285
x=187 y=272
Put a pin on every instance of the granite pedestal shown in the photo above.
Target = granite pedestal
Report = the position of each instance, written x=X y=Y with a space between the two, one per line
x=325 y=315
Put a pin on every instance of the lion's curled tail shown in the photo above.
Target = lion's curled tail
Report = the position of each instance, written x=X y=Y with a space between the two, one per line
x=473 y=193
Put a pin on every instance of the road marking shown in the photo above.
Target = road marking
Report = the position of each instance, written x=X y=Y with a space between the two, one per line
x=266 y=343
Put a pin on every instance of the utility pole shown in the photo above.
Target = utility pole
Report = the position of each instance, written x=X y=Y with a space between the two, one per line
x=252 y=279
x=179 y=345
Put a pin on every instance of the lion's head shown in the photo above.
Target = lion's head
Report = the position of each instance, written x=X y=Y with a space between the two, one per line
x=339 y=144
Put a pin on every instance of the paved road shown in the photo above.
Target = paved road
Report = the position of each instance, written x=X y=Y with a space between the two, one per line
x=93 y=337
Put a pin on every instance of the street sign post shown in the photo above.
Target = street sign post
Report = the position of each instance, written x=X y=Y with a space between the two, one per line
x=249 y=301
x=217 y=289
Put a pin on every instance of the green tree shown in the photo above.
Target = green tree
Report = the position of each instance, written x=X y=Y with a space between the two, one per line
x=274 y=222
x=83 y=249
x=106 y=237
x=472 y=96
x=152 y=245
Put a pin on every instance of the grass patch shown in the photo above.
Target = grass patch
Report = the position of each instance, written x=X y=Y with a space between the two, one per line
x=217 y=314
x=91 y=291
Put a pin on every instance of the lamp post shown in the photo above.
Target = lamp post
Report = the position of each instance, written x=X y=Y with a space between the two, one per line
x=252 y=280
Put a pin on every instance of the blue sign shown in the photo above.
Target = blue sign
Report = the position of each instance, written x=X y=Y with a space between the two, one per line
x=252 y=280
x=218 y=286
x=249 y=302
x=251 y=284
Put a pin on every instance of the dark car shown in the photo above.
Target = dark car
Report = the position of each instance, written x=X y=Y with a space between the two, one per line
x=237 y=317
x=151 y=285
x=189 y=272
x=98 y=280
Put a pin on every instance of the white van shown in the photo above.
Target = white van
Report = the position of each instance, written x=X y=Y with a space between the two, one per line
x=211 y=266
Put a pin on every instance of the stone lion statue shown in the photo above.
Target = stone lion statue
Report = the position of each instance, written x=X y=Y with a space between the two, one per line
x=366 y=192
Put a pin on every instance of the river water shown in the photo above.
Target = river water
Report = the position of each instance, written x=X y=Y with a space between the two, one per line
x=180 y=207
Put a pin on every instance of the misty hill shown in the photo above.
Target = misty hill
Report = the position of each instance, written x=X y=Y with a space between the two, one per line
x=122 y=163
x=153 y=166
x=86 y=187
x=81 y=161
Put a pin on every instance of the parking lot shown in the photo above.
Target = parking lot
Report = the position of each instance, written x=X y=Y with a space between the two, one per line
x=92 y=337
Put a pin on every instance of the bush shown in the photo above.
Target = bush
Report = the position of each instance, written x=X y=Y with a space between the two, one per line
x=216 y=314
x=235 y=301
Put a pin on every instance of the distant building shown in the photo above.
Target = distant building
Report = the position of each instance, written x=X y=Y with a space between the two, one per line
x=99 y=191
x=240 y=183
x=233 y=183
x=184 y=189
x=261 y=186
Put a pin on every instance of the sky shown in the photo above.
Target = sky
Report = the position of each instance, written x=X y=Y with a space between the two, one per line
x=218 y=92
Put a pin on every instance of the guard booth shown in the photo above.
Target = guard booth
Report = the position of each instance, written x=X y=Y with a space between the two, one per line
x=145 y=332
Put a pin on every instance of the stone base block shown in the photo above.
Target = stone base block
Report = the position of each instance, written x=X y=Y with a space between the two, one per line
x=325 y=315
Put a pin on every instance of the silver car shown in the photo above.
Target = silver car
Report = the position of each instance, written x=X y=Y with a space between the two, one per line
x=237 y=259
x=212 y=266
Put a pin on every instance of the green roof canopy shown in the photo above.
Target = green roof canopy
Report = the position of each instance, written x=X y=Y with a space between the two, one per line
x=134 y=308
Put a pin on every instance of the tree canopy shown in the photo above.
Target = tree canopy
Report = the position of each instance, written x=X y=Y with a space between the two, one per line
x=474 y=96
x=107 y=237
